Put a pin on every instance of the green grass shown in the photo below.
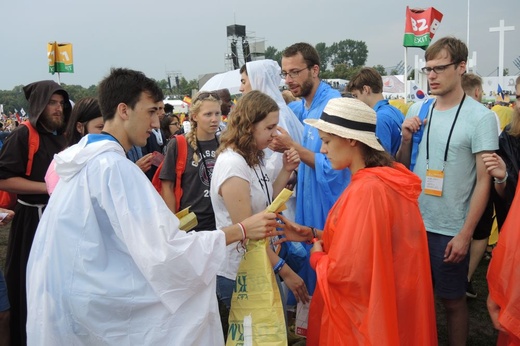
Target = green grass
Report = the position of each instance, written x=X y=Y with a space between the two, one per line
x=481 y=331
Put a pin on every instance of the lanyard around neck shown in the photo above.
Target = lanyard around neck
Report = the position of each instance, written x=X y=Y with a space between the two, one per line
x=266 y=191
x=449 y=135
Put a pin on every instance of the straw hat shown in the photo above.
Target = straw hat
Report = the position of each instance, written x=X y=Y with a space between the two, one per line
x=349 y=118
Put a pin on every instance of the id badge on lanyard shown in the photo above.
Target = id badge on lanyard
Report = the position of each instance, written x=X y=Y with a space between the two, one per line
x=435 y=178
x=433 y=183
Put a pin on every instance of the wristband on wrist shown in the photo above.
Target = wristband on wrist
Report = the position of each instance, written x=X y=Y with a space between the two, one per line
x=242 y=243
x=279 y=266
x=243 y=229
x=314 y=233
x=501 y=181
x=314 y=236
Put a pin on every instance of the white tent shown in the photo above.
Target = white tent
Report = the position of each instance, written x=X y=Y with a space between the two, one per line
x=227 y=80
x=179 y=106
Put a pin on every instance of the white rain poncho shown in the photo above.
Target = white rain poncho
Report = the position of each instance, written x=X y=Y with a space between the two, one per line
x=108 y=264
x=264 y=75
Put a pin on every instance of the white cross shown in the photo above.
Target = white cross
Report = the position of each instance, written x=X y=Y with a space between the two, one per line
x=501 y=30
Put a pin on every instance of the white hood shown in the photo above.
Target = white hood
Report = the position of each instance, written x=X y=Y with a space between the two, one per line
x=70 y=161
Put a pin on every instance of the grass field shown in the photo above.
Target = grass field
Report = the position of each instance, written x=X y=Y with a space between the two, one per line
x=481 y=331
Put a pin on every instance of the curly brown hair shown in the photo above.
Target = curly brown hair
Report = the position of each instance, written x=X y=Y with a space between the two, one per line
x=250 y=109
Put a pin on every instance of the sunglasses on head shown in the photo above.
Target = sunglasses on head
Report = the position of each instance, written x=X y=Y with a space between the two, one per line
x=205 y=95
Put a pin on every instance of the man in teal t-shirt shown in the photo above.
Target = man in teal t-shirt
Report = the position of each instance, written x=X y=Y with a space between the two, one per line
x=458 y=130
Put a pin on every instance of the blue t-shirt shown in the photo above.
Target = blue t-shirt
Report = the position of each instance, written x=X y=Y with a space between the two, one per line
x=475 y=131
x=388 y=126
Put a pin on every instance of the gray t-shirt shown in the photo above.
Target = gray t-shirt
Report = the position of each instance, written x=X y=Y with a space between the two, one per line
x=195 y=181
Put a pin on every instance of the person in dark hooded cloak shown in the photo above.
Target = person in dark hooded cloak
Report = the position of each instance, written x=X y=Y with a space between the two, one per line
x=49 y=110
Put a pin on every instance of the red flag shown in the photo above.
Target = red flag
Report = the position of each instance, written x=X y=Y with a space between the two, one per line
x=420 y=26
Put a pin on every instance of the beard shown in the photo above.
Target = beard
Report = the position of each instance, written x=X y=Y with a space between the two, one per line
x=52 y=123
x=306 y=88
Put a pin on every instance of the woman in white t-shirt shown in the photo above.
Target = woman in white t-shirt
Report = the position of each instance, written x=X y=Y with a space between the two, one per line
x=241 y=185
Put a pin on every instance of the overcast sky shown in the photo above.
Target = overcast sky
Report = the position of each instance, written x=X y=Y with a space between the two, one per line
x=189 y=37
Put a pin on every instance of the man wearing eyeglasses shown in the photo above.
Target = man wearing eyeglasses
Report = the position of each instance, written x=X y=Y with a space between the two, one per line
x=458 y=131
x=318 y=184
x=49 y=111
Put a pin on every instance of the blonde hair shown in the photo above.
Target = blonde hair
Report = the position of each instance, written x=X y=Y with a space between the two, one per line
x=191 y=137
x=250 y=109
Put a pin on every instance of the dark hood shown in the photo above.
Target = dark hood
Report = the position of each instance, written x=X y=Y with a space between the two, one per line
x=39 y=93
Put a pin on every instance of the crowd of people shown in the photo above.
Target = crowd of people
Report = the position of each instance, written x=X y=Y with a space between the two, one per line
x=388 y=210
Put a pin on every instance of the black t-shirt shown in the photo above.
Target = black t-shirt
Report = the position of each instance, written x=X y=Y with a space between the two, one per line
x=195 y=181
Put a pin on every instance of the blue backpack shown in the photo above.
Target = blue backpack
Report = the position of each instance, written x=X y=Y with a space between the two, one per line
x=417 y=137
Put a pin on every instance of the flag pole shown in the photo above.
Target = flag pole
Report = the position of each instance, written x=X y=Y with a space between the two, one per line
x=405 y=75
x=59 y=79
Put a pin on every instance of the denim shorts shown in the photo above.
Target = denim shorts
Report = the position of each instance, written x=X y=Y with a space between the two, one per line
x=449 y=279
x=4 y=301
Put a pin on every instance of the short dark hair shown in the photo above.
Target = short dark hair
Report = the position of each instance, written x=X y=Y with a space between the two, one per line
x=366 y=76
x=457 y=49
x=168 y=108
x=309 y=53
x=243 y=69
x=123 y=85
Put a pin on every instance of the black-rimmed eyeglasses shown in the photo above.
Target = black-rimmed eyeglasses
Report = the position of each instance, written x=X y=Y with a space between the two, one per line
x=437 y=69
x=292 y=74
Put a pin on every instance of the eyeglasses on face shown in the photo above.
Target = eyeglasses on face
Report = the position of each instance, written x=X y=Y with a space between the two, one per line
x=437 y=69
x=205 y=95
x=293 y=73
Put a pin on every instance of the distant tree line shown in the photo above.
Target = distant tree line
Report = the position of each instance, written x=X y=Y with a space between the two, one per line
x=15 y=99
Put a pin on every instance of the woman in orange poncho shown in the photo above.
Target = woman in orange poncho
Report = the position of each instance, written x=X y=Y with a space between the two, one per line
x=373 y=272
x=504 y=270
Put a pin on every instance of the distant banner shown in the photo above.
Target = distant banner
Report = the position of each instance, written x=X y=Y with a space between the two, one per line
x=60 y=57
x=420 y=26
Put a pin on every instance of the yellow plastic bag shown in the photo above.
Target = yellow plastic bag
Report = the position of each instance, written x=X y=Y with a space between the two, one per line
x=256 y=300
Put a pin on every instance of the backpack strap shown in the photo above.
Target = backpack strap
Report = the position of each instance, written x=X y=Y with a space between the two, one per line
x=417 y=136
x=180 y=167
x=182 y=157
x=34 y=145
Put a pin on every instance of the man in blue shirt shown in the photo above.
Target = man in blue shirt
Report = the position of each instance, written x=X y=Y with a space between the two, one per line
x=367 y=86
x=318 y=184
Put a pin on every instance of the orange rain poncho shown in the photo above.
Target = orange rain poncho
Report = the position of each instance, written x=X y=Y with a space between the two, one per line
x=504 y=275
x=374 y=284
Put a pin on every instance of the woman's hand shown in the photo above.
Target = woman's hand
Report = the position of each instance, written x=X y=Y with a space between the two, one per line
x=260 y=225
x=495 y=166
x=317 y=247
x=291 y=160
x=293 y=231
x=4 y=220
x=145 y=162
x=494 y=311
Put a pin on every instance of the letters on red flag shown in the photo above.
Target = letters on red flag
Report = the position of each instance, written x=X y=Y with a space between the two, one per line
x=420 y=26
